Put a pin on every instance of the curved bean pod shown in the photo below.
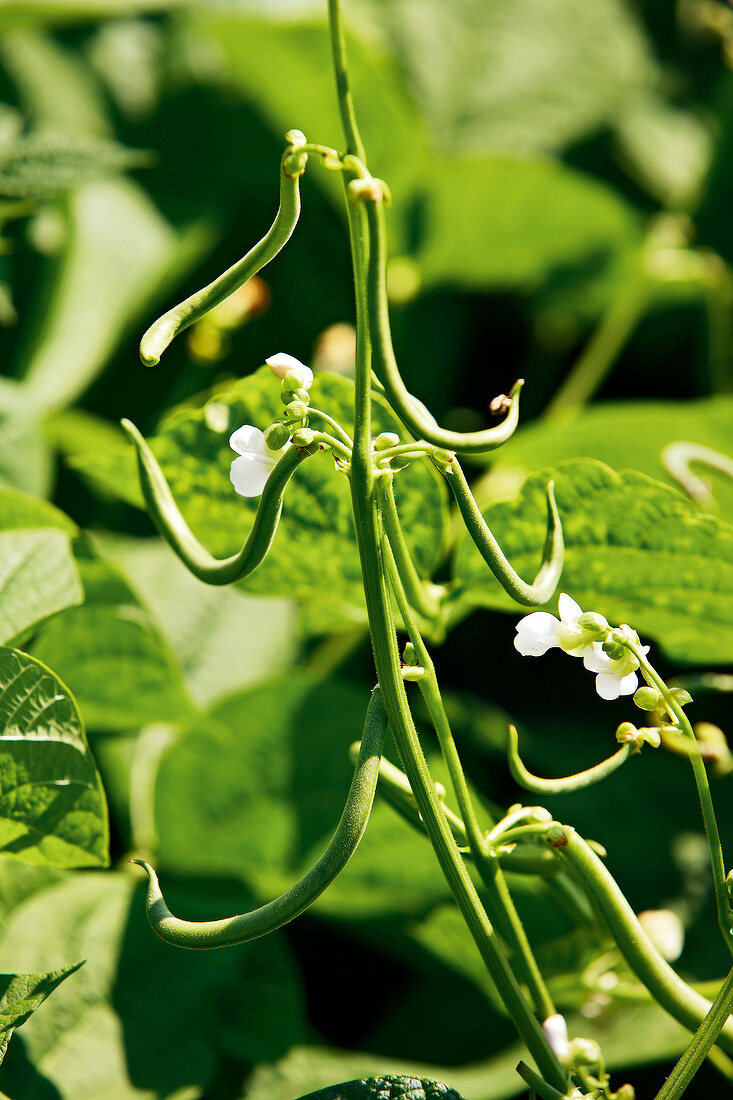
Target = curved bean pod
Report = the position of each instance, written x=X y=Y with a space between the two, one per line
x=167 y=517
x=553 y=556
x=162 y=332
x=567 y=783
x=276 y=913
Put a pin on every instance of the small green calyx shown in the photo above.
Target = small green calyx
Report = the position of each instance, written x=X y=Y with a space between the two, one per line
x=594 y=624
x=385 y=440
x=583 y=1052
x=303 y=437
x=614 y=650
x=409 y=655
x=556 y=836
x=293 y=383
x=295 y=158
x=276 y=436
x=648 y=698
x=296 y=410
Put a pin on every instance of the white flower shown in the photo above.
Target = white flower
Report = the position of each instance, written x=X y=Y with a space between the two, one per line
x=614 y=676
x=256 y=461
x=283 y=364
x=556 y=1033
x=540 y=631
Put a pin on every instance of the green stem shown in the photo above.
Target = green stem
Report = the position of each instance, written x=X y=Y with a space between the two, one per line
x=340 y=432
x=597 y=359
x=701 y=1044
x=576 y=782
x=343 y=89
x=414 y=587
x=543 y=586
x=725 y=917
x=665 y=986
x=501 y=903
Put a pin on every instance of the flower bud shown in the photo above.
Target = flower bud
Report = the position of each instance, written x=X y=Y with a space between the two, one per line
x=303 y=437
x=584 y=1052
x=296 y=138
x=283 y=364
x=385 y=440
x=626 y=1092
x=556 y=1033
x=556 y=836
x=371 y=189
x=276 y=436
x=293 y=382
x=409 y=656
x=614 y=650
x=627 y=732
x=593 y=623
x=648 y=698
x=296 y=410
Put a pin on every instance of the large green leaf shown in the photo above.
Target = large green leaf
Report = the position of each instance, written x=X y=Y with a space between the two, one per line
x=314 y=553
x=124 y=1028
x=636 y=551
x=112 y=655
x=626 y=435
x=52 y=807
x=509 y=223
x=19 y=510
x=43 y=164
x=38 y=577
x=225 y=640
x=21 y=995
x=506 y=75
x=377 y=1088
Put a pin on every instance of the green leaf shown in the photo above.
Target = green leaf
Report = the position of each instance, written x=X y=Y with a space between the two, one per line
x=123 y=1028
x=100 y=286
x=225 y=640
x=113 y=657
x=314 y=553
x=505 y=75
x=624 y=434
x=386 y=1088
x=19 y=510
x=510 y=223
x=38 y=577
x=636 y=551
x=21 y=995
x=40 y=165
x=52 y=807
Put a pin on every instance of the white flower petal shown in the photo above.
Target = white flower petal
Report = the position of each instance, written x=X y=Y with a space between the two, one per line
x=608 y=686
x=597 y=660
x=248 y=440
x=536 y=633
x=282 y=364
x=627 y=684
x=568 y=609
x=249 y=474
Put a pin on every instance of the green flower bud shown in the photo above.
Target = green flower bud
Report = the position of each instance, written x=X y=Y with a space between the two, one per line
x=303 y=437
x=296 y=410
x=593 y=623
x=614 y=650
x=385 y=440
x=296 y=138
x=648 y=698
x=292 y=382
x=583 y=1052
x=556 y=836
x=276 y=436
x=627 y=732
x=626 y=1092
x=409 y=656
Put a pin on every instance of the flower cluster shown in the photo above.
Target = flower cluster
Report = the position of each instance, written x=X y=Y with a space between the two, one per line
x=585 y=635
x=259 y=451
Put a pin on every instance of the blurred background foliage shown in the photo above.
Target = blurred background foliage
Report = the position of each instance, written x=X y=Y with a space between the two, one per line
x=561 y=174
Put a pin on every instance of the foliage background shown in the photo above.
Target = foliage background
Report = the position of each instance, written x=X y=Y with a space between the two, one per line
x=529 y=145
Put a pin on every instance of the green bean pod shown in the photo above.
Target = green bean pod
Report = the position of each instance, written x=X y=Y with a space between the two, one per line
x=553 y=556
x=167 y=517
x=567 y=783
x=162 y=332
x=410 y=411
x=268 y=918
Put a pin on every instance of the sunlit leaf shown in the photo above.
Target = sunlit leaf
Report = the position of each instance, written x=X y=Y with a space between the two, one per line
x=52 y=807
x=38 y=577
x=636 y=551
x=21 y=995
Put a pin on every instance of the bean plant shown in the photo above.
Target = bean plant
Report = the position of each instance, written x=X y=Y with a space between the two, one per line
x=221 y=787
x=402 y=603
